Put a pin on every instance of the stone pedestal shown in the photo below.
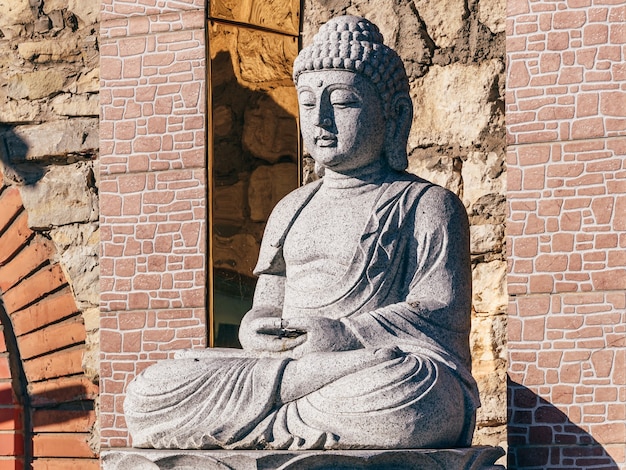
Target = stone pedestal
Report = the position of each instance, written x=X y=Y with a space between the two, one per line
x=474 y=458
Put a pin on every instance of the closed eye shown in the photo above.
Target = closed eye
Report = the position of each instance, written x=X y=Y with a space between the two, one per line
x=306 y=99
x=344 y=99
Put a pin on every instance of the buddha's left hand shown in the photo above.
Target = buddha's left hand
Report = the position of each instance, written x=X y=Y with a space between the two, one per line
x=322 y=334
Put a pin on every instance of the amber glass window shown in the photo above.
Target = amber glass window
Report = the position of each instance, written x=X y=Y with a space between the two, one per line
x=254 y=150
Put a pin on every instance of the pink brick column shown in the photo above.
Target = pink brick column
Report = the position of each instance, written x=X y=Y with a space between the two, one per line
x=152 y=191
x=566 y=120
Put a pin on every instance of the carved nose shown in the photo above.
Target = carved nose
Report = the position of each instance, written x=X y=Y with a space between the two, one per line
x=325 y=122
x=323 y=116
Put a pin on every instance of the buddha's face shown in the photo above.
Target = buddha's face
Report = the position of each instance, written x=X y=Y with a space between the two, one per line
x=342 y=121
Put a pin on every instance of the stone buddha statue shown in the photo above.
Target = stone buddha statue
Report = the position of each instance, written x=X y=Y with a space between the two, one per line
x=358 y=335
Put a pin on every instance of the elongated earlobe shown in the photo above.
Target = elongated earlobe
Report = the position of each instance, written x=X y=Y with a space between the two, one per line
x=397 y=132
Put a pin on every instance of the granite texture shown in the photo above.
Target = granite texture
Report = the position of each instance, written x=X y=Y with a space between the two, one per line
x=358 y=336
x=476 y=458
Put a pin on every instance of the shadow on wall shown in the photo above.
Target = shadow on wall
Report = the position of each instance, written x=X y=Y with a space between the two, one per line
x=14 y=158
x=16 y=395
x=541 y=436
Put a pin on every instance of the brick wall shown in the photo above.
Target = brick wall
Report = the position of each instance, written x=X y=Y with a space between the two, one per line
x=566 y=120
x=43 y=325
x=152 y=189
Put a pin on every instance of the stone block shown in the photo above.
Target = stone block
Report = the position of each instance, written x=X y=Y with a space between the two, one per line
x=443 y=29
x=64 y=195
x=78 y=247
x=492 y=13
x=89 y=82
x=20 y=110
x=486 y=238
x=473 y=458
x=51 y=139
x=35 y=85
x=50 y=50
x=14 y=12
x=483 y=174
x=463 y=117
x=439 y=169
x=68 y=104
x=490 y=287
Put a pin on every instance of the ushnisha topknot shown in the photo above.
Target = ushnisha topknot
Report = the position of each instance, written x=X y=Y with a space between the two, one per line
x=355 y=44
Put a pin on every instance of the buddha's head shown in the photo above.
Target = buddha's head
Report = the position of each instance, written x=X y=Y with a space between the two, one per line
x=354 y=98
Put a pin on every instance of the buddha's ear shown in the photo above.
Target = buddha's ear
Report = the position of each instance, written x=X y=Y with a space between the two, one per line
x=397 y=131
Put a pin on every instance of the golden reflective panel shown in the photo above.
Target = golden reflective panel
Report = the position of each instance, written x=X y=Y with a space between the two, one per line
x=253 y=159
x=278 y=15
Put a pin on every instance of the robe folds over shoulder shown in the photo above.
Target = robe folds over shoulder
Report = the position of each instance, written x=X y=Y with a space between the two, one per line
x=409 y=287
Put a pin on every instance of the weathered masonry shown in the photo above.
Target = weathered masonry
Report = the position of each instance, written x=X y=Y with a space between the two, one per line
x=49 y=237
x=150 y=210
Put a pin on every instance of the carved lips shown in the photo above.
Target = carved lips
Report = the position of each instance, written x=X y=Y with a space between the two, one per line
x=325 y=140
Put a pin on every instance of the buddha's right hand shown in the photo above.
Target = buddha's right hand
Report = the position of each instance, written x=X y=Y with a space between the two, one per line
x=269 y=334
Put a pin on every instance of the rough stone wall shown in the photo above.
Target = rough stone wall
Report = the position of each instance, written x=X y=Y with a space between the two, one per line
x=48 y=154
x=566 y=114
x=453 y=52
x=152 y=191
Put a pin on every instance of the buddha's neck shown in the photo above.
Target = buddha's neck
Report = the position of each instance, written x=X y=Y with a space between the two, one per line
x=372 y=174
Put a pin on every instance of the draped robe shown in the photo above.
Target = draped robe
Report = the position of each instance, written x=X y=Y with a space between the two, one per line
x=409 y=286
